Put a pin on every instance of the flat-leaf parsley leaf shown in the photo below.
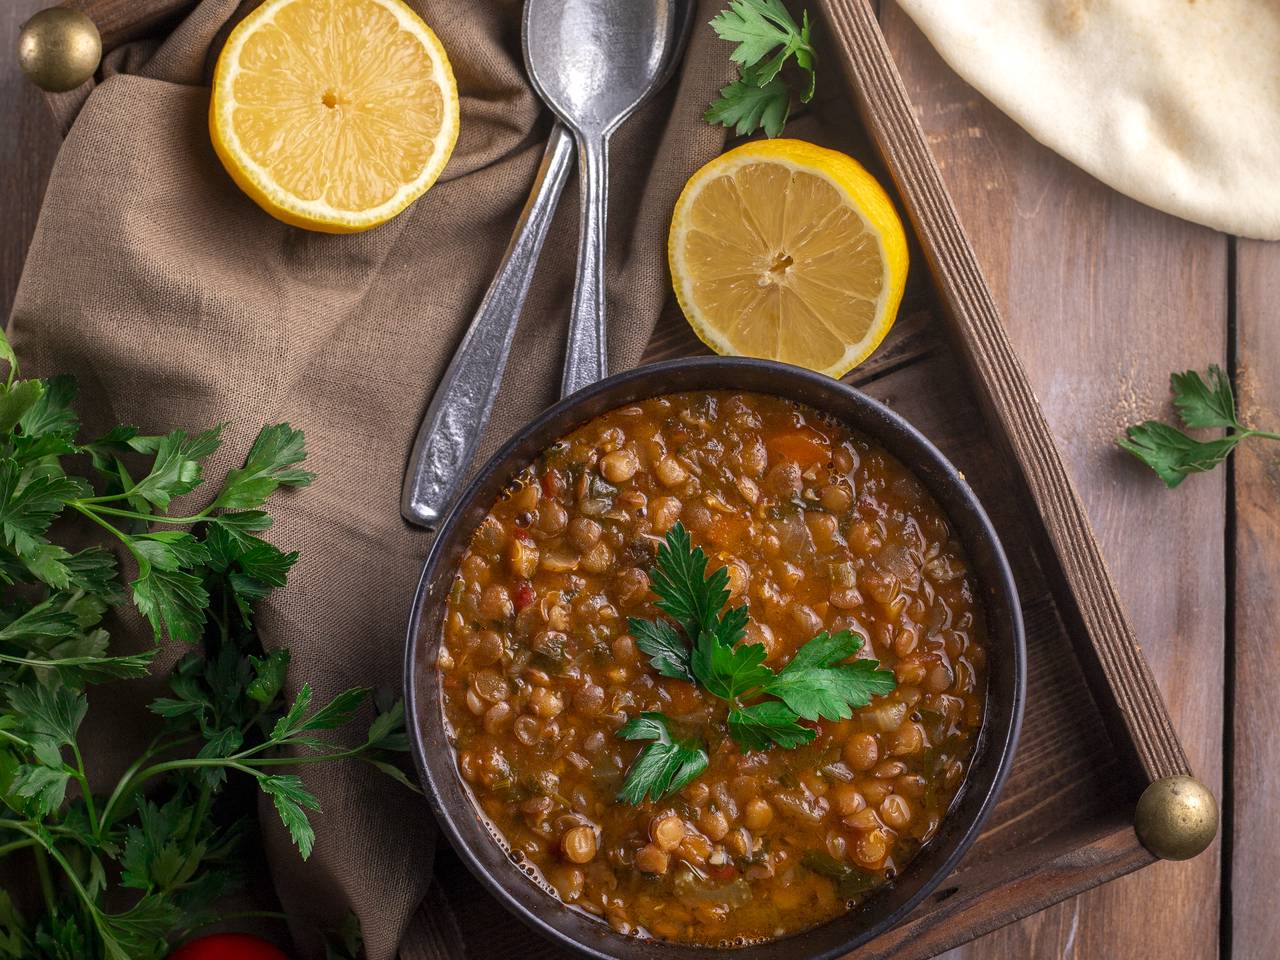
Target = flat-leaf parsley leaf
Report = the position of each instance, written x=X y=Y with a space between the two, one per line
x=1175 y=455
x=767 y=37
x=761 y=725
x=817 y=683
x=662 y=767
x=667 y=650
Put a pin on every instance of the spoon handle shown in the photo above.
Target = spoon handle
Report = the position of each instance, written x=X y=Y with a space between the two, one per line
x=460 y=408
x=586 y=357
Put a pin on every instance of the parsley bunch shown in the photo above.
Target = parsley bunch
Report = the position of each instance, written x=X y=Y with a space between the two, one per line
x=701 y=644
x=124 y=870
x=767 y=36
x=1173 y=454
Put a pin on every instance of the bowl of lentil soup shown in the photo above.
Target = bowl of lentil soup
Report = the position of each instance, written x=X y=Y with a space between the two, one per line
x=827 y=513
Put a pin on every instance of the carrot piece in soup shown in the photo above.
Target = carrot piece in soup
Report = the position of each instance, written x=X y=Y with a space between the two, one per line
x=803 y=446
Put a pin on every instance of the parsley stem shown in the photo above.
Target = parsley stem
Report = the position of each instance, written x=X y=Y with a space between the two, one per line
x=93 y=504
x=73 y=878
x=50 y=828
x=8 y=848
x=126 y=778
x=264 y=745
x=110 y=497
x=1265 y=434
x=46 y=881
x=12 y=738
x=86 y=794
x=202 y=810
x=138 y=778
x=44 y=850
x=123 y=538
x=316 y=758
x=59 y=662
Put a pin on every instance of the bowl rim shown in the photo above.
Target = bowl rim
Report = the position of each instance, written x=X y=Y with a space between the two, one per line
x=1006 y=737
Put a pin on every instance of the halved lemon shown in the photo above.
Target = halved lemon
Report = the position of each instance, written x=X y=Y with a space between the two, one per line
x=333 y=115
x=788 y=251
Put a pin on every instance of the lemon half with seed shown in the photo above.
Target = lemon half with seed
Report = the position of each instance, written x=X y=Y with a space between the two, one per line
x=788 y=251
x=333 y=115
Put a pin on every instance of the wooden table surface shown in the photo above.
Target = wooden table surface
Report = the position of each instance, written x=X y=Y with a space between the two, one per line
x=1103 y=298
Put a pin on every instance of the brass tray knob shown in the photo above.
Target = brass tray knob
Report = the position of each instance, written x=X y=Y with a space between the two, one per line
x=1176 y=818
x=59 y=49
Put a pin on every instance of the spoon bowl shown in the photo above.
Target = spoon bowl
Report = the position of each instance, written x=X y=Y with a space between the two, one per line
x=593 y=62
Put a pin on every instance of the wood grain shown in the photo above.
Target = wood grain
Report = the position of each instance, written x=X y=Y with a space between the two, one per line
x=1103 y=298
x=974 y=902
x=1255 y=770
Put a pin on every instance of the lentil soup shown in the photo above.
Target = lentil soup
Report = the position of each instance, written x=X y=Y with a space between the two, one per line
x=819 y=529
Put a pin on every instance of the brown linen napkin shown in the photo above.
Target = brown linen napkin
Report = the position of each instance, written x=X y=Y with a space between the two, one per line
x=178 y=303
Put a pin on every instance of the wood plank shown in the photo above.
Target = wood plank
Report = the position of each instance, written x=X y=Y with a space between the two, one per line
x=1255 y=768
x=1102 y=299
x=26 y=151
x=973 y=902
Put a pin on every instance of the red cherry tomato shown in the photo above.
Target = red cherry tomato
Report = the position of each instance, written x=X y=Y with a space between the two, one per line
x=228 y=946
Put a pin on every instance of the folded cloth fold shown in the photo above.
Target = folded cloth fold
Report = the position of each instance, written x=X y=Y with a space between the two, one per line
x=178 y=304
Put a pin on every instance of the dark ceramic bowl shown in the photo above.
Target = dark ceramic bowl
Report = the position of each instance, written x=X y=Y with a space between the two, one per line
x=450 y=799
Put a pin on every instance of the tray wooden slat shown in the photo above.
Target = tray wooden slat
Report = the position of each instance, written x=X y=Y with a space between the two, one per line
x=1256 y=661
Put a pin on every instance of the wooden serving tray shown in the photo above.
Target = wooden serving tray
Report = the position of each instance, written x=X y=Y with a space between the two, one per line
x=1096 y=732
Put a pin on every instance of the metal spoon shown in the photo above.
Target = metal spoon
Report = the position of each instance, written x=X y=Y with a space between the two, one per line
x=454 y=422
x=459 y=411
x=594 y=62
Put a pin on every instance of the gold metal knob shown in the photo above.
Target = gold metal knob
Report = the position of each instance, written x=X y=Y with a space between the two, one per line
x=1176 y=818
x=59 y=49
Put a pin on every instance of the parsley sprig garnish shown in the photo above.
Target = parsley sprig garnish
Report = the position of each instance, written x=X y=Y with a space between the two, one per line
x=767 y=37
x=662 y=767
x=1175 y=455
x=702 y=644
x=128 y=866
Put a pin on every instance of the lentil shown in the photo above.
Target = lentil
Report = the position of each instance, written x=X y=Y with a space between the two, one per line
x=579 y=844
x=667 y=832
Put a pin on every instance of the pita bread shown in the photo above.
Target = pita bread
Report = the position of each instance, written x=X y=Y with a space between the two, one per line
x=1175 y=103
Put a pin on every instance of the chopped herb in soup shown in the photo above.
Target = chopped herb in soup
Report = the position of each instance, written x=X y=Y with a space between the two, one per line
x=714 y=665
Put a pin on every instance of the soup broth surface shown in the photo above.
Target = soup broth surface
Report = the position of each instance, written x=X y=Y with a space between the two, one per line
x=819 y=530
